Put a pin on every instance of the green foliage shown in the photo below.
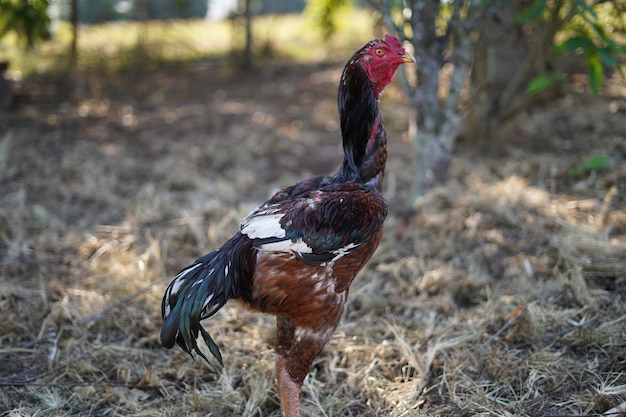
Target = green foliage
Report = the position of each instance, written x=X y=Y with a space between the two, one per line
x=592 y=37
x=27 y=18
x=587 y=30
x=593 y=163
x=532 y=13
x=543 y=82
x=324 y=14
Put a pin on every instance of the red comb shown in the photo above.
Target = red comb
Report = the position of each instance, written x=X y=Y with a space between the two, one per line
x=392 y=41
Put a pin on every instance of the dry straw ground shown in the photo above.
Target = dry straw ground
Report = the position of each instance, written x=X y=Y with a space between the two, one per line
x=499 y=294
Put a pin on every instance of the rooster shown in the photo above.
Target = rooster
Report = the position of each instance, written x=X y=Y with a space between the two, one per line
x=296 y=255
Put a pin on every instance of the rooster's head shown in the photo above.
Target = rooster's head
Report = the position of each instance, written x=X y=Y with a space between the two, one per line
x=381 y=58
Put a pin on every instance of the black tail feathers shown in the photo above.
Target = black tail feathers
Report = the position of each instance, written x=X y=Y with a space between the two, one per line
x=201 y=289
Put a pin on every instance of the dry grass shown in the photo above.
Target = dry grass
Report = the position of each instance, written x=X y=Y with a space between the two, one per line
x=500 y=294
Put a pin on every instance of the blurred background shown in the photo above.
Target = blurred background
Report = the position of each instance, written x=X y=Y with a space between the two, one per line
x=135 y=134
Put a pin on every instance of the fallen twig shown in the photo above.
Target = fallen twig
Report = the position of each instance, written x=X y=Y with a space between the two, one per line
x=510 y=319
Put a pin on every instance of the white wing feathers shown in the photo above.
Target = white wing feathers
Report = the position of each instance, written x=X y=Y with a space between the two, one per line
x=263 y=224
x=264 y=227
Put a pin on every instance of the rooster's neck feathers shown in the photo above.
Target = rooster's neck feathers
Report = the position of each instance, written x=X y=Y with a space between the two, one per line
x=364 y=138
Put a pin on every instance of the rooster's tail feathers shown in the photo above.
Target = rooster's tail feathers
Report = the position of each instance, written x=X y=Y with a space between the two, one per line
x=199 y=291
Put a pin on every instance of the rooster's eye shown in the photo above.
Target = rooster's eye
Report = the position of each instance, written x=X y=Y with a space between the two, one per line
x=380 y=52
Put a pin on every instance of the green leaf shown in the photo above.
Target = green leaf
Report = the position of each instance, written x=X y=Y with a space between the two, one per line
x=539 y=84
x=574 y=43
x=542 y=82
x=531 y=13
x=595 y=71
x=583 y=5
x=593 y=163
x=606 y=55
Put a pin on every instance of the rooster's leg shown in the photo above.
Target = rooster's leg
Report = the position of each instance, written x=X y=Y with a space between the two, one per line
x=296 y=348
x=288 y=390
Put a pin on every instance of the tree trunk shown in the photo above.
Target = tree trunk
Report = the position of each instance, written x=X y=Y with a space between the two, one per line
x=503 y=45
x=442 y=67
x=508 y=54
x=502 y=69
x=248 y=61
x=431 y=150
x=74 y=42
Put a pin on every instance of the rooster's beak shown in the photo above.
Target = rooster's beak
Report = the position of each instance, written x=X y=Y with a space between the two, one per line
x=407 y=58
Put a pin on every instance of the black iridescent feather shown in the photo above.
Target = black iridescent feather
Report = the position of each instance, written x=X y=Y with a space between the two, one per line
x=201 y=289
x=358 y=112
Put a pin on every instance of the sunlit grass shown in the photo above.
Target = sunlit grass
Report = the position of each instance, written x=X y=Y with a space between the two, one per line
x=127 y=45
